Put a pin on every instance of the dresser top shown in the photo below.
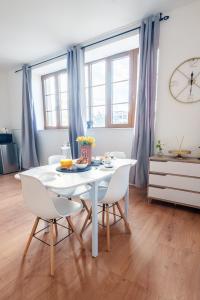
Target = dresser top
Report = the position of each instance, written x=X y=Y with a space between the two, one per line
x=170 y=158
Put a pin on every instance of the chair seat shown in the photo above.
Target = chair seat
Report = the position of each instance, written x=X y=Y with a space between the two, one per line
x=81 y=190
x=66 y=193
x=104 y=184
x=101 y=194
x=66 y=207
x=72 y=192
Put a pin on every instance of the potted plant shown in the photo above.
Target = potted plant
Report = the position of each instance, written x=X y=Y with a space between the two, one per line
x=86 y=143
x=159 y=148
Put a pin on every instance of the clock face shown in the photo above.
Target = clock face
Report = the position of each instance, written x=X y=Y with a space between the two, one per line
x=184 y=83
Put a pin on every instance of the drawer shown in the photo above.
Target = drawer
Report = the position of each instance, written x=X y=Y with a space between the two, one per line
x=177 y=182
x=182 y=197
x=179 y=168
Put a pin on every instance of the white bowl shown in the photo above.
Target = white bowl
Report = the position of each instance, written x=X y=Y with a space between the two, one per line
x=81 y=166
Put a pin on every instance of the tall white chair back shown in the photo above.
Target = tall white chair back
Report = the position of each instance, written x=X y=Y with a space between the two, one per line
x=54 y=159
x=118 y=154
x=118 y=185
x=37 y=197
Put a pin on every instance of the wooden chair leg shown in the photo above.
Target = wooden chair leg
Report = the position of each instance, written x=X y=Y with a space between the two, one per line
x=86 y=220
x=31 y=235
x=69 y=227
x=55 y=228
x=85 y=206
x=124 y=218
x=103 y=215
x=78 y=236
x=107 y=227
x=52 y=249
x=114 y=212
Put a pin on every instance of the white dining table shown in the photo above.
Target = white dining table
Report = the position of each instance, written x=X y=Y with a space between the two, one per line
x=72 y=180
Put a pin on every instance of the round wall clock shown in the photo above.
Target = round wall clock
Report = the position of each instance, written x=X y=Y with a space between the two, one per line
x=184 y=84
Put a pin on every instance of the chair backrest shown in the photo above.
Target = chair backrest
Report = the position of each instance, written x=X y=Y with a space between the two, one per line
x=118 y=185
x=37 y=197
x=118 y=154
x=54 y=159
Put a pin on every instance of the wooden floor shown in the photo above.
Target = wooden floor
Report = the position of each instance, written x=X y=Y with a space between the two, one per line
x=160 y=260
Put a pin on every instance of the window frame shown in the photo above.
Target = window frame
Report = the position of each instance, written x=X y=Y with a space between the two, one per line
x=58 y=102
x=133 y=77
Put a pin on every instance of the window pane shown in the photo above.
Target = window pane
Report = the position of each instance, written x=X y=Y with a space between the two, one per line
x=86 y=76
x=87 y=104
x=64 y=118
x=120 y=113
x=49 y=86
x=62 y=81
x=50 y=103
x=98 y=73
x=63 y=101
x=120 y=69
x=98 y=116
x=51 y=118
x=98 y=95
x=87 y=96
x=120 y=92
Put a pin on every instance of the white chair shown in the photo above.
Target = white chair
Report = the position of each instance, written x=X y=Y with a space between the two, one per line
x=117 y=154
x=69 y=193
x=105 y=183
x=110 y=197
x=46 y=206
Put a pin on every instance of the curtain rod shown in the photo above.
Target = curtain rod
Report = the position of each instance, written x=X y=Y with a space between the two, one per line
x=162 y=18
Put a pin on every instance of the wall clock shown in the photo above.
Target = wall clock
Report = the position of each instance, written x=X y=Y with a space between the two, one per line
x=184 y=84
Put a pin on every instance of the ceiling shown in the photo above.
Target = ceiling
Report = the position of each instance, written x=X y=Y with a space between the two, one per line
x=33 y=29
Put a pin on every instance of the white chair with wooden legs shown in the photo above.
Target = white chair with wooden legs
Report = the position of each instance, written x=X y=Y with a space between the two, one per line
x=105 y=183
x=46 y=206
x=110 y=197
x=72 y=192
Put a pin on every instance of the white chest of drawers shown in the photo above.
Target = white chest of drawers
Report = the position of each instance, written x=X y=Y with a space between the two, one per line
x=174 y=180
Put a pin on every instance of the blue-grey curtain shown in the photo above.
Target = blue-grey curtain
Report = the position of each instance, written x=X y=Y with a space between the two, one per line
x=143 y=144
x=29 y=156
x=77 y=106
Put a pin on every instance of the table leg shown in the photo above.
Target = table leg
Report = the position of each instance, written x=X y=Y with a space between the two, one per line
x=126 y=198
x=94 y=193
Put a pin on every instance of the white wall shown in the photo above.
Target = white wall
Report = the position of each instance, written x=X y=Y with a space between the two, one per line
x=112 y=139
x=4 y=101
x=179 y=40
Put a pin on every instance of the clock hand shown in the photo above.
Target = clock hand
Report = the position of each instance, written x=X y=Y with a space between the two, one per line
x=191 y=82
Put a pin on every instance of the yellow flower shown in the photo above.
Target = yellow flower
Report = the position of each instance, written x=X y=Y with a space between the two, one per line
x=86 y=140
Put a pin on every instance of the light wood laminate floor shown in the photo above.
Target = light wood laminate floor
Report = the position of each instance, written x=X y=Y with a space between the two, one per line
x=160 y=260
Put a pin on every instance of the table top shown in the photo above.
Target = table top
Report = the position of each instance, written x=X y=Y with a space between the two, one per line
x=53 y=179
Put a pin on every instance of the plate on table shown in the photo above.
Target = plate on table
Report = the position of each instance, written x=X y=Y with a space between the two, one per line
x=74 y=169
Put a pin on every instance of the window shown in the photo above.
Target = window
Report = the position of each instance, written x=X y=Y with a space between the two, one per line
x=55 y=99
x=110 y=87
